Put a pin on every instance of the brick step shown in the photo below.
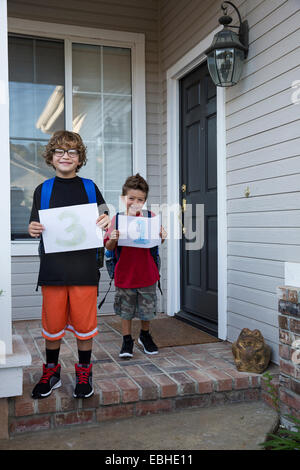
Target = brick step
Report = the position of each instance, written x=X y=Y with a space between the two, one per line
x=178 y=377
x=87 y=414
x=123 y=398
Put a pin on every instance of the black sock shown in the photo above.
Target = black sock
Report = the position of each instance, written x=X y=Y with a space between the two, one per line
x=52 y=356
x=127 y=337
x=84 y=357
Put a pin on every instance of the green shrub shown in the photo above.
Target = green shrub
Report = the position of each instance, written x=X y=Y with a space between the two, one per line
x=284 y=439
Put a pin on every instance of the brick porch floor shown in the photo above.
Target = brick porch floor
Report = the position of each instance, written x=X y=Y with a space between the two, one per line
x=176 y=378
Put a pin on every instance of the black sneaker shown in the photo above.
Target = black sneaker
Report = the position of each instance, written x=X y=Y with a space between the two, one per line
x=127 y=348
x=83 y=388
x=48 y=382
x=148 y=344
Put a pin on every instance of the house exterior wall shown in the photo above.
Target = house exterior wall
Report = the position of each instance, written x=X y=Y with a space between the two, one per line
x=262 y=142
x=137 y=16
x=263 y=153
x=262 y=147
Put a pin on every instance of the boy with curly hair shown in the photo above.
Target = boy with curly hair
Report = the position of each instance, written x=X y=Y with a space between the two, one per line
x=69 y=280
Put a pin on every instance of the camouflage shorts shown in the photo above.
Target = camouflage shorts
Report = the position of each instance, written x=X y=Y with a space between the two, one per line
x=140 y=302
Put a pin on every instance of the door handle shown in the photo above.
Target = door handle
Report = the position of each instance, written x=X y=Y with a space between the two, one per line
x=183 y=205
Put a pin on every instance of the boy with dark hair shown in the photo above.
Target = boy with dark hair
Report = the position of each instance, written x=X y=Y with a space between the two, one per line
x=69 y=280
x=136 y=273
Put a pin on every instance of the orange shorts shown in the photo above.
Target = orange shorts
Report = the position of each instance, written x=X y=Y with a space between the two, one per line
x=72 y=308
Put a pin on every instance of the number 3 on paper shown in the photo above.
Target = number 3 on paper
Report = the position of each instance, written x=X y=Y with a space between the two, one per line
x=74 y=228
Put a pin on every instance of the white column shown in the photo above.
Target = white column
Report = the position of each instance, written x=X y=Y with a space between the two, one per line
x=5 y=243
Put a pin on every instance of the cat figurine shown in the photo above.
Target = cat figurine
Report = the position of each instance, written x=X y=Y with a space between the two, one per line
x=251 y=353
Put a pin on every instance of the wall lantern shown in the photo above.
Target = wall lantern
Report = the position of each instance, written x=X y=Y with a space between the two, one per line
x=228 y=50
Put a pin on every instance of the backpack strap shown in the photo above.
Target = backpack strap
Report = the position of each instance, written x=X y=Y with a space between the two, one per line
x=47 y=186
x=46 y=193
x=90 y=190
x=103 y=300
x=118 y=248
x=155 y=253
x=45 y=201
x=116 y=253
x=89 y=187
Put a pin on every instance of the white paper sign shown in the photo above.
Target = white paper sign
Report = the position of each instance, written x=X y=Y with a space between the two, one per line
x=71 y=228
x=139 y=232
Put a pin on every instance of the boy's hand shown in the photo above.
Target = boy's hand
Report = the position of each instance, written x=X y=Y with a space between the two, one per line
x=113 y=240
x=115 y=234
x=35 y=229
x=103 y=221
x=163 y=234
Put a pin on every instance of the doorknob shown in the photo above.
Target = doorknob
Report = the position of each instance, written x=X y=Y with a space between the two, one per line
x=183 y=188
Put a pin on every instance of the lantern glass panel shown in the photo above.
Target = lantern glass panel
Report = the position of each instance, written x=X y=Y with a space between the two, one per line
x=238 y=65
x=225 y=65
x=211 y=64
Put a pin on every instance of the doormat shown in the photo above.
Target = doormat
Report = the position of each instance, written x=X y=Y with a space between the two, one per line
x=167 y=332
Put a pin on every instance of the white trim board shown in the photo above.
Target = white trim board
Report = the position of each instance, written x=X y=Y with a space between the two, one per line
x=5 y=248
x=186 y=64
x=292 y=274
x=57 y=30
x=133 y=41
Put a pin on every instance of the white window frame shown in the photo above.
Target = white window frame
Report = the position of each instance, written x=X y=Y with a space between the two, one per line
x=102 y=37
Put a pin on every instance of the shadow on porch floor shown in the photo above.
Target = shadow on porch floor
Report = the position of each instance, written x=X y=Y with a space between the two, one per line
x=178 y=377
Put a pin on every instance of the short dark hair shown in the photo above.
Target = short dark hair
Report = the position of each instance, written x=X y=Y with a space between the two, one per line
x=69 y=139
x=135 y=182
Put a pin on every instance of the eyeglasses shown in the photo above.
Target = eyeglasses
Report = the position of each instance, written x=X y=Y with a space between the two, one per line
x=73 y=153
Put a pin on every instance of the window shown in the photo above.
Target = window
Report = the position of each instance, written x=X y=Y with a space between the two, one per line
x=98 y=103
x=101 y=101
x=36 y=79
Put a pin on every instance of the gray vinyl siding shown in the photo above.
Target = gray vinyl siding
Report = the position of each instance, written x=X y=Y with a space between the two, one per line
x=26 y=302
x=263 y=153
x=138 y=16
x=262 y=137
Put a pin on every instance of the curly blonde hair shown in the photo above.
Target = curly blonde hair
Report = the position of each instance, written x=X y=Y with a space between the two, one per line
x=64 y=139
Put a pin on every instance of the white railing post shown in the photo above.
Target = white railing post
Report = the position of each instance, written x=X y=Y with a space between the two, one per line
x=5 y=242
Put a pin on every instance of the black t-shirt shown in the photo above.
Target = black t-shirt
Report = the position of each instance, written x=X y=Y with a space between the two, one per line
x=70 y=268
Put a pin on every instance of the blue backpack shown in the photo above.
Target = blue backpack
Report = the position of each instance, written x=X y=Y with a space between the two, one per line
x=47 y=190
x=112 y=257
x=89 y=186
